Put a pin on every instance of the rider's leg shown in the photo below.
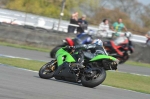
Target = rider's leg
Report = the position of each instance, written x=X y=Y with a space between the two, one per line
x=80 y=59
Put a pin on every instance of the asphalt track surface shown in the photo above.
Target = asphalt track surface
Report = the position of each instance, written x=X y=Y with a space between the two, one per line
x=36 y=55
x=22 y=84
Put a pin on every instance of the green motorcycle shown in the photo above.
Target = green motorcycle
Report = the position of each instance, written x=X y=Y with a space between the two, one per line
x=66 y=67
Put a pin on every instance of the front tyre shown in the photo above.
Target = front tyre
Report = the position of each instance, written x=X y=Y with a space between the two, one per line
x=97 y=79
x=48 y=70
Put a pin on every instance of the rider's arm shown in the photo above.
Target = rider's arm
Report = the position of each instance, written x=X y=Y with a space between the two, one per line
x=85 y=46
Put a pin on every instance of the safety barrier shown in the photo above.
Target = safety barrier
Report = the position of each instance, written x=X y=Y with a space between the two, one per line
x=41 y=23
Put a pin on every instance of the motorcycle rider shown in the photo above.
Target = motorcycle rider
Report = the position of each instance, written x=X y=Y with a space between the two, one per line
x=88 y=50
x=83 y=38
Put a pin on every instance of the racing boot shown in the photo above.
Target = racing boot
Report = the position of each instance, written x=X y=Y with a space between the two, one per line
x=80 y=63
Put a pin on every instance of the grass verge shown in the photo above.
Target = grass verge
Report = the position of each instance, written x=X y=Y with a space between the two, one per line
x=138 y=64
x=29 y=47
x=22 y=63
x=115 y=79
x=128 y=81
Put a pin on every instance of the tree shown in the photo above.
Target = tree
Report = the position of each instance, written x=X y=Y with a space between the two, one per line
x=113 y=15
x=3 y=3
x=90 y=7
x=50 y=8
x=145 y=17
x=134 y=14
x=132 y=8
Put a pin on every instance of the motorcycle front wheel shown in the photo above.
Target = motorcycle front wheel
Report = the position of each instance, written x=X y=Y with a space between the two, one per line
x=47 y=70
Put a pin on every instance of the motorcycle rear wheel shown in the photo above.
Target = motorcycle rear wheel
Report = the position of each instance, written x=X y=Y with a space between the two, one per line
x=55 y=49
x=101 y=75
x=53 y=52
x=123 y=59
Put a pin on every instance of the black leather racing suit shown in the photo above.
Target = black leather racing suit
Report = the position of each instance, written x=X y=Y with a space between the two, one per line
x=88 y=50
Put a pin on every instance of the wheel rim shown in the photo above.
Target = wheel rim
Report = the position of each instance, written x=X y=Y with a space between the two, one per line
x=97 y=73
x=48 y=69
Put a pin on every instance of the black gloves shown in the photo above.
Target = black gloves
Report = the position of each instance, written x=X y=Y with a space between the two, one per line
x=70 y=47
x=82 y=46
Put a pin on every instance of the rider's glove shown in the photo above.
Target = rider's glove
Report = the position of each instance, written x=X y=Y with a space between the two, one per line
x=70 y=47
x=81 y=46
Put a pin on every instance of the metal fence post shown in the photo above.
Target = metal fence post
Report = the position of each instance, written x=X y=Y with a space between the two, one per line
x=61 y=14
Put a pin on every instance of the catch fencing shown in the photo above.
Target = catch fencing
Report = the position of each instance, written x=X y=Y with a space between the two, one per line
x=35 y=21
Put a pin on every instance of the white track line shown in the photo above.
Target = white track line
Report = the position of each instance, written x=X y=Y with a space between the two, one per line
x=131 y=73
x=100 y=85
x=14 y=57
x=124 y=89
x=8 y=56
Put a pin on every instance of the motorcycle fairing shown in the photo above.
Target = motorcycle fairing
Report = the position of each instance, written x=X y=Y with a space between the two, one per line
x=120 y=40
x=99 y=57
x=125 y=42
x=64 y=73
x=116 y=48
x=70 y=41
x=62 y=53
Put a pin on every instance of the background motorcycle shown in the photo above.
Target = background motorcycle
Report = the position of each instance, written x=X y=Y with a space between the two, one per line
x=120 y=48
x=82 y=27
x=65 y=43
x=80 y=39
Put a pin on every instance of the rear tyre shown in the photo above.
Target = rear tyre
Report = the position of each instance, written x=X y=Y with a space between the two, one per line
x=100 y=75
x=48 y=70
x=123 y=59
x=54 y=50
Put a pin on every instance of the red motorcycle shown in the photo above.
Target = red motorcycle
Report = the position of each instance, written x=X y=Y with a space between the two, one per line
x=80 y=39
x=66 y=42
x=120 y=48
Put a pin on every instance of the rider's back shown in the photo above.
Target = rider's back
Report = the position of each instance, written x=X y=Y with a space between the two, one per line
x=84 y=38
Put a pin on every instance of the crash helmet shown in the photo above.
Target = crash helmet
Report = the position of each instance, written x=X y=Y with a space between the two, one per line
x=91 y=32
x=98 y=42
x=128 y=34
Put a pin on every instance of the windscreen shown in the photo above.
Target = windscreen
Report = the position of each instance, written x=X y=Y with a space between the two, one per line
x=119 y=40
